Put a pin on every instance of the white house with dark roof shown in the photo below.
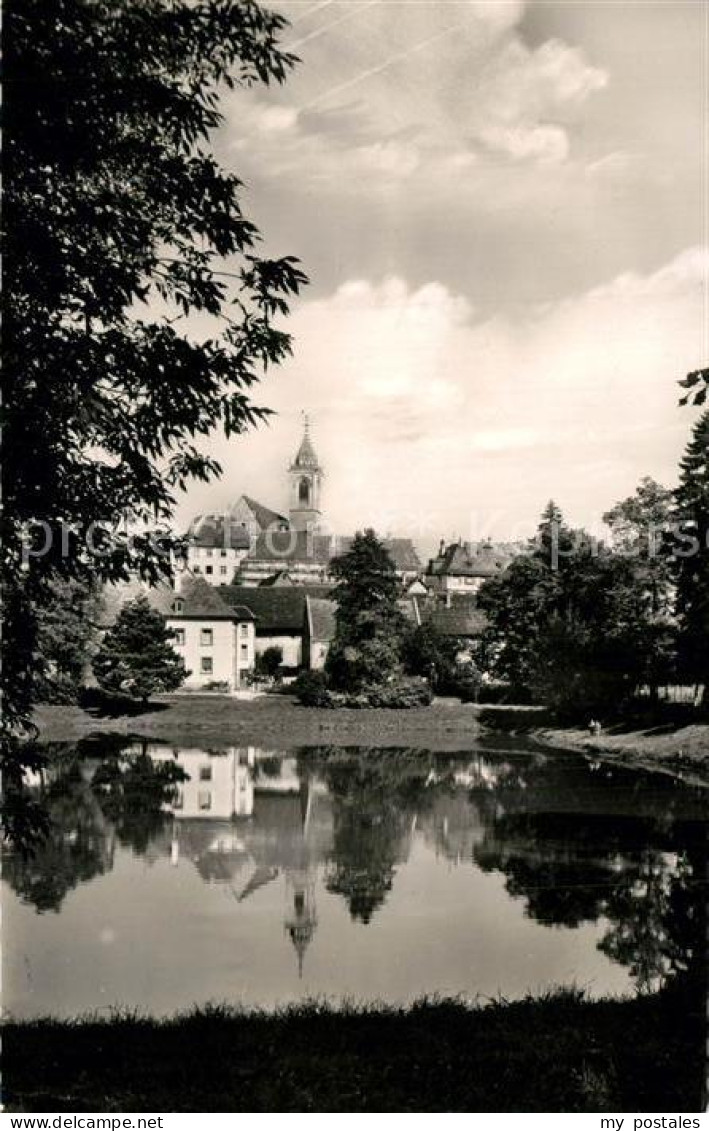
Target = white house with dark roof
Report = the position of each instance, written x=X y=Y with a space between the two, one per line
x=279 y=613
x=216 y=640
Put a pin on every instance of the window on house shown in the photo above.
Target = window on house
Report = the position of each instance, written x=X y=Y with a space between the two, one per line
x=209 y=569
x=243 y=630
x=206 y=665
x=244 y=651
x=209 y=551
x=196 y=569
x=179 y=800
x=204 y=799
x=222 y=553
x=177 y=605
x=206 y=637
x=222 y=570
x=205 y=773
x=179 y=634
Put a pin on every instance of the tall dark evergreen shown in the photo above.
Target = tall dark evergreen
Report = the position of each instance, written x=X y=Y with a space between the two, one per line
x=692 y=557
x=369 y=623
x=136 y=657
x=120 y=223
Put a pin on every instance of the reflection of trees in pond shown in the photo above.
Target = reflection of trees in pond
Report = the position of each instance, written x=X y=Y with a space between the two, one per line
x=78 y=847
x=88 y=807
x=376 y=794
x=133 y=790
x=640 y=876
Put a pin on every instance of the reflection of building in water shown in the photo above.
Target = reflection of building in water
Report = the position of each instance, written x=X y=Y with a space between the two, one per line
x=301 y=913
x=243 y=822
x=220 y=785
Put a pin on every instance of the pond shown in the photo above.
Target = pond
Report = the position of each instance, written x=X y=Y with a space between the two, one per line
x=176 y=876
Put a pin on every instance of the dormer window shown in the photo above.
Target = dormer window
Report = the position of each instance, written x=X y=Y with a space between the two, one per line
x=178 y=605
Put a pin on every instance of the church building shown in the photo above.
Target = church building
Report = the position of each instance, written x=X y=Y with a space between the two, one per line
x=251 y=545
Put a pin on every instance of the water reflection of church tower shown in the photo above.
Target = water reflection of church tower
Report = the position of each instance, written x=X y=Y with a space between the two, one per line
x=301 y=917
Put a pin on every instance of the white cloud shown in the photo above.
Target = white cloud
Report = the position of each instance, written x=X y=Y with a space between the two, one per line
x=414 y=87
x=425 y=416
x=543 y=143
x=521 y=93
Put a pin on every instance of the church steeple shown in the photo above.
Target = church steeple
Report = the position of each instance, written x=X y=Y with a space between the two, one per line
x=306 y=477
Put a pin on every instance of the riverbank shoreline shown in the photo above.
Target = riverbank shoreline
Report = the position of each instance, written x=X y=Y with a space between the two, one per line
x=278 y=722
x=683 y=752
x=560 y=1052
x=679 y=747
x=269 y=721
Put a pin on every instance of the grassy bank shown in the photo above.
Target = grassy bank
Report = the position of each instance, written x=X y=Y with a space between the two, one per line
x=557 y=1053
x=276 y=721
x=279 y=722
x=671 y=741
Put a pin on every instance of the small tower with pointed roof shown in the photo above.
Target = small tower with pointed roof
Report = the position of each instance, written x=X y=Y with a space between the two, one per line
x=306 y=477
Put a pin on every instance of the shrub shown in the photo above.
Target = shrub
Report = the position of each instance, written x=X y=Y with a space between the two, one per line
x=400 y=694
x=311 y=689
x=216 y=685
x=268 y=664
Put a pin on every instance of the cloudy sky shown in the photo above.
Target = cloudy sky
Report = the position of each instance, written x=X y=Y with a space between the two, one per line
x=500 y=207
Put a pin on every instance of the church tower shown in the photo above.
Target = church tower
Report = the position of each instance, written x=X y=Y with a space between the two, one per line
x=306 y=477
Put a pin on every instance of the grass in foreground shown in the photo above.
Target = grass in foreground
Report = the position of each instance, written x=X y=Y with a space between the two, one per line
x=557 y=1053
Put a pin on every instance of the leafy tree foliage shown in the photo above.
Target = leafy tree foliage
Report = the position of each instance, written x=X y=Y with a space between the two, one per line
x=576 y=625
x=136 y=656
x=367 y=645
x=119 y=224
x=640 y=523
x=123 y=801
x=692 y=556
x=426 y=652
x=374 y=800
x=641 y=526
x=697 y=385
x=68 y=632
x=269 y=662
x=520 y=602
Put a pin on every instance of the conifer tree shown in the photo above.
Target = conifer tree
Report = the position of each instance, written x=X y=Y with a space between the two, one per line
x=692 y=556
x=136 y=656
